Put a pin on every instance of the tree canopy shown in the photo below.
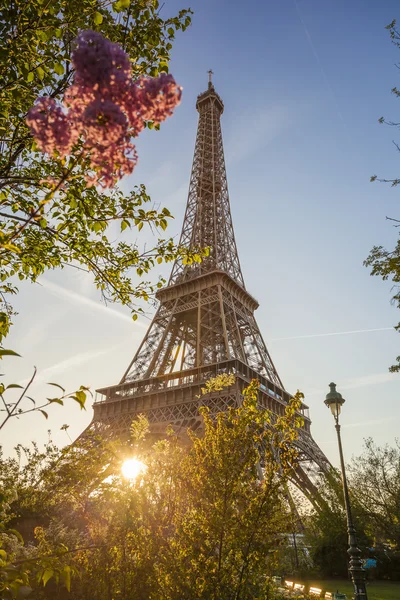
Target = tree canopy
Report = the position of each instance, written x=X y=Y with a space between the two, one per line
x=197 y=522
x=383 y=262
x=49 y=217
x=375 y=479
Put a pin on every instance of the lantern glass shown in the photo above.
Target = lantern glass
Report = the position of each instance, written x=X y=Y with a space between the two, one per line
x=335 y=409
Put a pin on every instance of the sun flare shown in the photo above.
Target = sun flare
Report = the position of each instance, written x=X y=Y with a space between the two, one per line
x=132 y=468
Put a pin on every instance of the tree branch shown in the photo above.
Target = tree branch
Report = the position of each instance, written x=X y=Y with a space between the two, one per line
x=12 y=412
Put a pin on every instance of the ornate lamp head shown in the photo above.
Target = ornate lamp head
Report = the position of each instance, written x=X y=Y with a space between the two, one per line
x=334 y=400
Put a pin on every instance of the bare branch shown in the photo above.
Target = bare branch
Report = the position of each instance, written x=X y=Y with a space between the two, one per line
x=12 y=412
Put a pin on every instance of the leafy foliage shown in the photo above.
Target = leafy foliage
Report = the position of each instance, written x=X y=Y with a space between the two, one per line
x=326 y=530
x=374 y=485
x=49 y=217
x=375 y=478
x=196 y=523
x=386 y=263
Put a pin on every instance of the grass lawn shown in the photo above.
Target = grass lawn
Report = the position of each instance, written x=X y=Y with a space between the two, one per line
x=379 y=590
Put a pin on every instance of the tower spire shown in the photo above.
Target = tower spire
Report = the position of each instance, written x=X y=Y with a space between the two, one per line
x=210 y=74
x=208 y=220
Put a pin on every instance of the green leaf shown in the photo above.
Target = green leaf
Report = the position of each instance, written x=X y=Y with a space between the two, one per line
x=42 y=35
x=55 y=400
x=66 y=577
x=121 y=5
x=134 y=317
x=4 y=352
x=48 y=574
x=44 y=413
x=80 y=397
x=17 y=534
x=98 y=18
x=170 y=31
x=124 y=224
x=14 y=386
x=40 y=72
x=117 y=6
x=30 y=76
x=59 y=69
x=60 y=387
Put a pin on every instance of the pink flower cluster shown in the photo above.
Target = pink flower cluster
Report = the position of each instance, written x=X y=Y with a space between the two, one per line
x=104 y=107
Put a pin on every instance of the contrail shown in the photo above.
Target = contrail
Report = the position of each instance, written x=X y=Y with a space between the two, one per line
x=317 y=58
x=317 y=335
x=61 y=292
x=68 y=363
x=365 y=381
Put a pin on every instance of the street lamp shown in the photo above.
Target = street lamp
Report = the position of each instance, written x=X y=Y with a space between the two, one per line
x=334 y=401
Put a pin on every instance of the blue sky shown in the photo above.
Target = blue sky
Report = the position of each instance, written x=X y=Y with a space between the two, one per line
x=304 y=83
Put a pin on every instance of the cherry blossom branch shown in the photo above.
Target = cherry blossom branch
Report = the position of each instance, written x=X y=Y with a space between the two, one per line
x=104 y=108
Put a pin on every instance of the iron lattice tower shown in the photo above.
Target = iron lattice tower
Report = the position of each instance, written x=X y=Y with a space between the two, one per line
x=205 y=322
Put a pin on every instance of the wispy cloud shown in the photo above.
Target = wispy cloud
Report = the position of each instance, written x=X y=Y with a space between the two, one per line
x=372 y=379
x=317 y=335
x=47 y=374
x=36 y=330
x=357 y=382
x=318 y=60
x=371 y=422
x=71 y=296
x=68 y=363
x=254 y=130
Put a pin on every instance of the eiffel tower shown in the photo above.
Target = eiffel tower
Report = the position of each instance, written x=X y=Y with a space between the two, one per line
x=205 y=322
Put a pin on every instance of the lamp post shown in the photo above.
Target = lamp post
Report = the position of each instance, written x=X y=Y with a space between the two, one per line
x=334 y=401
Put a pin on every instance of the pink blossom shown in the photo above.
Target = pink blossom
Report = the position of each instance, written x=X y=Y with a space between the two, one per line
x=159 y=96
x=98 y=62
x=76 y=99
x=130 y=102
x=50 y=127
x=121 y=74
x=104 y=108
x=111 y=162
x=92 y=58
x=104 y=123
